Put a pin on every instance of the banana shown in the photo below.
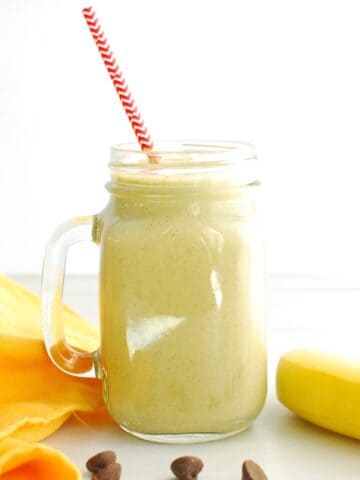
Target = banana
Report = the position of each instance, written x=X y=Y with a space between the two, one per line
x=321 y=388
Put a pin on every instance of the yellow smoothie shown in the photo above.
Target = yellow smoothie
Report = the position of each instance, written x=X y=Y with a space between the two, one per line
x=182 y=304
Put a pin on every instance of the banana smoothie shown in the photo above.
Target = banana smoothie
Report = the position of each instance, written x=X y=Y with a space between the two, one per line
x=182 y=302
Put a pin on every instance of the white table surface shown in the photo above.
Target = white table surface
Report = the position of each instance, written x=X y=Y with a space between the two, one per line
x=302 y=312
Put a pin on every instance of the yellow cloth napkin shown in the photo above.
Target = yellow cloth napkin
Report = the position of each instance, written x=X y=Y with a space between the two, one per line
x=36 y=398
x=20 y=315
x=29 y=461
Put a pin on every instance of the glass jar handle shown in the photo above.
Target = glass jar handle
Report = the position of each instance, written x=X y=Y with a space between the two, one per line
x=67 y=358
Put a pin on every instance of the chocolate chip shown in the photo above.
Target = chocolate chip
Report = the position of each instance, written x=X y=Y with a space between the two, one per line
x=187 y=468
x=110 y=472
x=252 y=471
x=100 y=460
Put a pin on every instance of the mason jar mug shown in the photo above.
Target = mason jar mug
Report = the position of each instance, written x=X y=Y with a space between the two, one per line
x=182 y=356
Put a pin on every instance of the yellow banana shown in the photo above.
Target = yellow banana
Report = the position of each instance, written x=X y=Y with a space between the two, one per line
x=321 y=388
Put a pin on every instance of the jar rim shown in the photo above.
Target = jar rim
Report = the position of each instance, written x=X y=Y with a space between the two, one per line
x=184 y=153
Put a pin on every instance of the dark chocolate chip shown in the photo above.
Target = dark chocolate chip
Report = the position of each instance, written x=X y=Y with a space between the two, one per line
x=112 y=471
x=100 y=460
x=187 y=468
x=252 y=471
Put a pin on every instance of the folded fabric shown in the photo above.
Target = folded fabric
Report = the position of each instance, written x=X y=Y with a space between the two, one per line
x=29 y=461
x=36 y=398
x=20 y=315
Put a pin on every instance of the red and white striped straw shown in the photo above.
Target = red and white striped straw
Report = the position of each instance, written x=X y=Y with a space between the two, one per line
x=119 y=83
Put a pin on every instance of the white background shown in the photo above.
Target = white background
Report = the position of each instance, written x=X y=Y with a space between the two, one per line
x=282 y=74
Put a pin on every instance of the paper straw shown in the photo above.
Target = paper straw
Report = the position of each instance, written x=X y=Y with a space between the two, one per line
x=119 y=82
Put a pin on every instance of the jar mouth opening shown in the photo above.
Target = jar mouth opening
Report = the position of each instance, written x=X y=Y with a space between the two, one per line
x=182 y=153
